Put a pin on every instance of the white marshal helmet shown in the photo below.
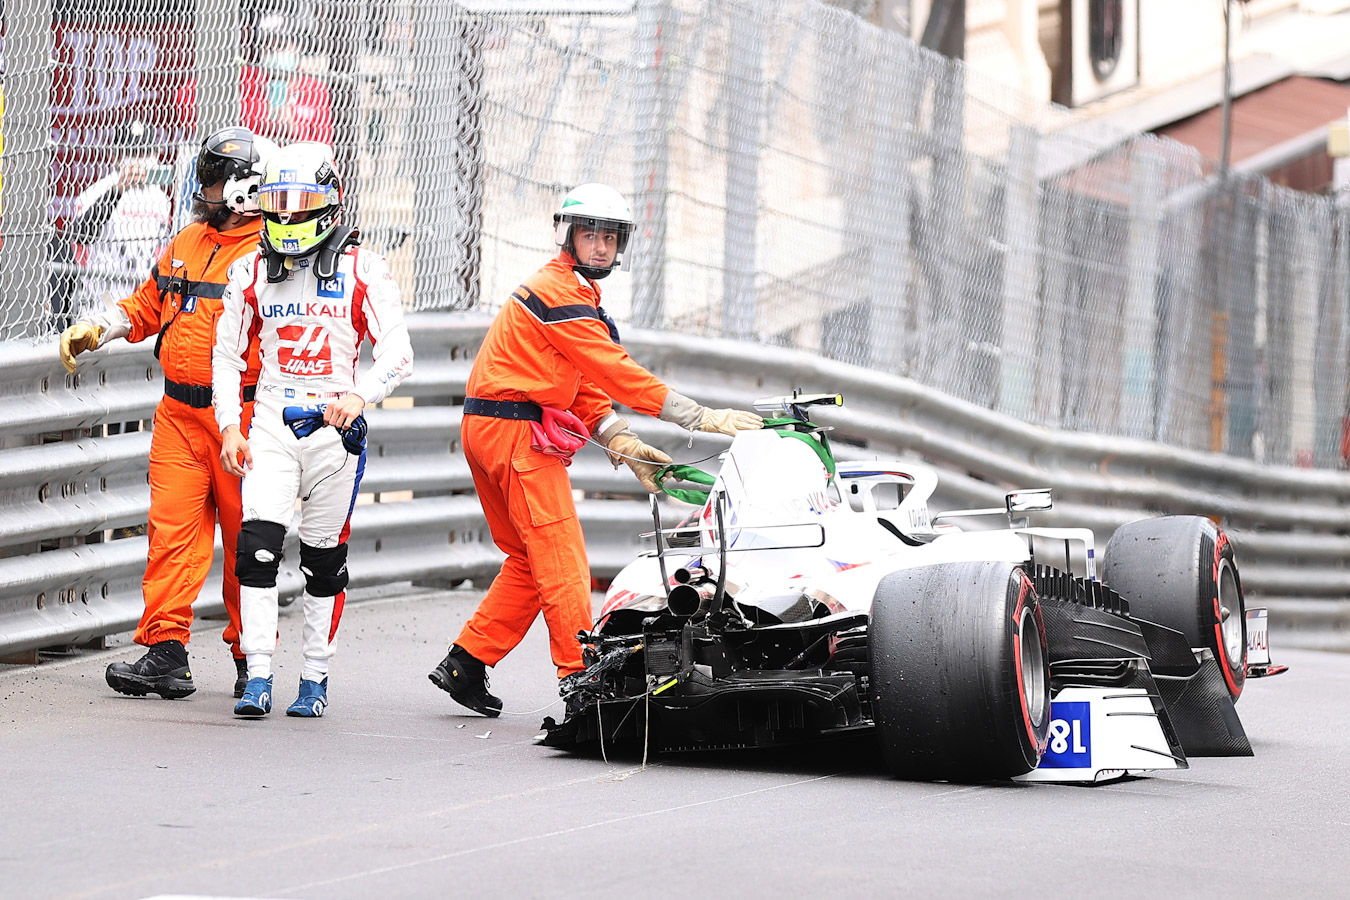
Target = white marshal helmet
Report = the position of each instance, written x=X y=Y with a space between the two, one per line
x=597 y=206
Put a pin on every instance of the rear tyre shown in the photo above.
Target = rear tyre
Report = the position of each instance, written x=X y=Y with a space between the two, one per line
x=1180 y=571
x=960 y=680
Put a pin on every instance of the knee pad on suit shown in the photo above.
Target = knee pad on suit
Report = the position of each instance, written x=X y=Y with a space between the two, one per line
x=257 y=555
x=325 y=569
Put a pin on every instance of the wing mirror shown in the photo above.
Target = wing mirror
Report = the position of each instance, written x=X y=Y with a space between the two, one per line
x=1030 y=500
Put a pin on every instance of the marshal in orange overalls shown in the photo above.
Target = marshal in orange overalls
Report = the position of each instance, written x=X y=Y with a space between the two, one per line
x=549 y=346
x=189 y=489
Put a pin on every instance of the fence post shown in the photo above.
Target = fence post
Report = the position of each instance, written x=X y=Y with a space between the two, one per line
x=946 y=356
x=448 y=141
x=348 y=36
x=1138 y=407
x=1339 y=315
x=1021 y=305
x=1238 y=285
x=886 y=221
x=1275 y=413
x=1333 y=344
x=651 y=100
x=745 y=112
x=25 y=197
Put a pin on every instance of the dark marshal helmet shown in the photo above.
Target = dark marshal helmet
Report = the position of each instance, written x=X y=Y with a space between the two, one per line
x=234 y=158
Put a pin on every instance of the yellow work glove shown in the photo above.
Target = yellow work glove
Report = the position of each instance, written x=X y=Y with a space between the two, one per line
x=728 y=421
x=77 y=339
x=643 y=459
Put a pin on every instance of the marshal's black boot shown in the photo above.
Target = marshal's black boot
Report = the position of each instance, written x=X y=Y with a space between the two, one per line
x=465 y=679
x=162 y=670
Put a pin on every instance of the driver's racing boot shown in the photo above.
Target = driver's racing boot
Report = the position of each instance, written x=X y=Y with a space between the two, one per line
x=162 y=670
x=311 y=701
x=257 y=699
x=465 y=679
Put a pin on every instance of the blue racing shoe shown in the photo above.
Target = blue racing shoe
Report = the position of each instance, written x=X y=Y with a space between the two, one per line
x=257 y=699
x=313 y=700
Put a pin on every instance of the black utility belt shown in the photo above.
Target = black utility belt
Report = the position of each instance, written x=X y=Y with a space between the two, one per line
x=198 y=396
x=503 y=409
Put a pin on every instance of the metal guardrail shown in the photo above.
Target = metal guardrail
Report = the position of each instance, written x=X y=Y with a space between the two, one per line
x=67 y=485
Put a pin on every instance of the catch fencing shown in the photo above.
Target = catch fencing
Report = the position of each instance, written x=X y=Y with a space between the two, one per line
x=73 y=482
x=800 y=178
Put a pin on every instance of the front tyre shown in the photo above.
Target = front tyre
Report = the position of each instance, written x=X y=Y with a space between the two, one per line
x=960 y=681
x=1180 y=571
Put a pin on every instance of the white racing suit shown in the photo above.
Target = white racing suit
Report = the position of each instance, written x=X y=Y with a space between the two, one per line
x=310 y=334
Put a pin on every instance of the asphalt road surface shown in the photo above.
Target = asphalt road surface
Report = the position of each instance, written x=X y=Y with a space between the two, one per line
x=399 y=793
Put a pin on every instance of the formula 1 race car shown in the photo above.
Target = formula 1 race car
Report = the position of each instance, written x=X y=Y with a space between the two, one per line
x=808 y=598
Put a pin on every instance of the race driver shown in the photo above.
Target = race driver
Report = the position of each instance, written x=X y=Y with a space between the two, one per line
x=552 y=357
x=312 y=295
x=189 y=489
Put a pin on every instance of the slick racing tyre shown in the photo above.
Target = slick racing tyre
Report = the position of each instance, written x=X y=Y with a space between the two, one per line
x=1179 y=571
x=960 y=680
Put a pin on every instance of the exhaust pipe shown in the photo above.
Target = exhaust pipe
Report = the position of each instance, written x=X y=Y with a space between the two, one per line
x=687 y=599
x=691 y=575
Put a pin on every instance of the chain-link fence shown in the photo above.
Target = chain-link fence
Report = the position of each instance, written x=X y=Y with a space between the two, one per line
x=799 y=178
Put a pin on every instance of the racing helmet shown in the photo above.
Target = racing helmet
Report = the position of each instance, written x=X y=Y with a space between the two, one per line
x=234 y=158
x=300 y=198
x=596 y=206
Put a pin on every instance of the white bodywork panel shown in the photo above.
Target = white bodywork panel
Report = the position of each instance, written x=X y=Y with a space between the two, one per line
x=1258 y=637
x=818 y=536
x=1100 y=734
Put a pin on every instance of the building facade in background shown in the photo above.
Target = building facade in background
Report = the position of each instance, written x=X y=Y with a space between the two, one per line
x=1156 y=65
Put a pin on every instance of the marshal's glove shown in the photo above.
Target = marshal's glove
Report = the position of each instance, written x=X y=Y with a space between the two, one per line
x=645 y=460
x=77 y=339
x=729 y=421
x=688 y=414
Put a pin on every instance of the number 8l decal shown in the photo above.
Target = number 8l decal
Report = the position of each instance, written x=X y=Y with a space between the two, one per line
x=1070 y=744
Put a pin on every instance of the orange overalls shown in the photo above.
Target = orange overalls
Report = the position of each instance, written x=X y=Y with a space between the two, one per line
x=548 y=346
x=188 y=486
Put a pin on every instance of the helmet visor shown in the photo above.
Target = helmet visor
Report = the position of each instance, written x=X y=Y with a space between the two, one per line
x=292 y=197
x=590 y=223
x=597 y=224
x=213 y=169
